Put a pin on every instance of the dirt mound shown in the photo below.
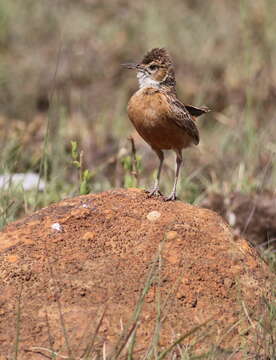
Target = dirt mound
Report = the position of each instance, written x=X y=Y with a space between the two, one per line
x=83 y=256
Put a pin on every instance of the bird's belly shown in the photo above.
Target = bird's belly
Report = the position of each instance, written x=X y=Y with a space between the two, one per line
x=148 y=115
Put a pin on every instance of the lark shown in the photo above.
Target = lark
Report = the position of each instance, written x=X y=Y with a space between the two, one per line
x=162 y=120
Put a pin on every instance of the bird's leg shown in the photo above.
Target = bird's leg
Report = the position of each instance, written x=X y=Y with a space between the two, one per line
x=156 y=190
x=178 y=165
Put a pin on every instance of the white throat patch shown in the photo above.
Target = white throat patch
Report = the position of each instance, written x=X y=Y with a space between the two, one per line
x=145 y=80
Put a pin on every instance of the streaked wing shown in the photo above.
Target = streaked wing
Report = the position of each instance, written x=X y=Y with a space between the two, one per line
x=180 y=115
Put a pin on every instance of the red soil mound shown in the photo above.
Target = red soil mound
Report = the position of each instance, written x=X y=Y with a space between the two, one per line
x=73 y=259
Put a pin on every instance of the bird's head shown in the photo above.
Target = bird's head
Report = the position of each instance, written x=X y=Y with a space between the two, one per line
x=156 y=69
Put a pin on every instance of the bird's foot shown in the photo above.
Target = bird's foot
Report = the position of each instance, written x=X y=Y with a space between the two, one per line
x=172 y=197
x=154 y=192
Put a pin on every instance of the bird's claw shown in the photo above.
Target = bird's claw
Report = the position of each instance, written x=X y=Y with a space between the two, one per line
x=172 y=197
x=154 y=192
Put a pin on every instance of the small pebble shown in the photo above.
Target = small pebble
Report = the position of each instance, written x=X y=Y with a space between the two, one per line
x=153 y=215
x=56 y=227
x=171 y=235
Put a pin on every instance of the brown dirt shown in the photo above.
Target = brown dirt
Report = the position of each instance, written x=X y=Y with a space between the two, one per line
x=102 y=256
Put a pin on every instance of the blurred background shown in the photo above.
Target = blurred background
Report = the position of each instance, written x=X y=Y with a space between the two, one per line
x=63 y=98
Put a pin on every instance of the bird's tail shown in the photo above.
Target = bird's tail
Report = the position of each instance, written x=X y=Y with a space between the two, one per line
x=196 y=111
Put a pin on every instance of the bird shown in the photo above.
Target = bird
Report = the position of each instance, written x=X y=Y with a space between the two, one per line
x=159 y=117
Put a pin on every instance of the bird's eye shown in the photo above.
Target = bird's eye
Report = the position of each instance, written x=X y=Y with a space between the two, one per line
x=153 y=67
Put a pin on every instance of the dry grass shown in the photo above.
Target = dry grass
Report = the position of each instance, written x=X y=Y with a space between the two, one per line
x=69 y=53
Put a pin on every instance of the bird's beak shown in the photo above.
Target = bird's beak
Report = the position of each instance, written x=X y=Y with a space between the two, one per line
x=131 y=66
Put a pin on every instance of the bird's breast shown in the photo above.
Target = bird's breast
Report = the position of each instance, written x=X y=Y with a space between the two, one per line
x=146 y=108
x=150 y=113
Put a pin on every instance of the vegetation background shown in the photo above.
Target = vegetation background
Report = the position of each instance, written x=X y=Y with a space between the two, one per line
x=61 y=81
x=63 y=97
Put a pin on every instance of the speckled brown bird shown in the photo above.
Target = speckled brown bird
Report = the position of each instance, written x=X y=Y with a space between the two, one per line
x=159 y=117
